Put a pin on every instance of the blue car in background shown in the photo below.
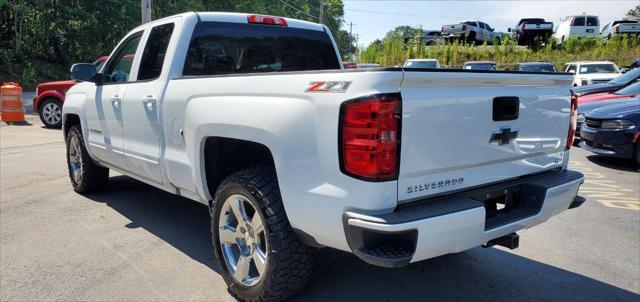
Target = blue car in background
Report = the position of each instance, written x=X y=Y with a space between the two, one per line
x=583 y=109
x=613 y=130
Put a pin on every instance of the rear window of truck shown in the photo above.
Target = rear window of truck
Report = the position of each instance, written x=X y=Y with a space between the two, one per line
x=231 y=48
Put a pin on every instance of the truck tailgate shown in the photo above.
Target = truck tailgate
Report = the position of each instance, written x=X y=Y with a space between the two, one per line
x=453 y=138
x=629 y=27
x=539 y=26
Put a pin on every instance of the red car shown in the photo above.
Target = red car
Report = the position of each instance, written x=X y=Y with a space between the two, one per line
x=50 y=96
x=624 y=93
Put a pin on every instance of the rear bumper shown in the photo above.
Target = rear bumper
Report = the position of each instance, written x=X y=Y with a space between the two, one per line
x=452 y=224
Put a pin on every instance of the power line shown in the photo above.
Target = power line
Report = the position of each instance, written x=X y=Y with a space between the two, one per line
x=297 y=9
x=401 y=14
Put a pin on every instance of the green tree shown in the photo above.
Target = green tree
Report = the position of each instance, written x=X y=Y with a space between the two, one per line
x=634 y=13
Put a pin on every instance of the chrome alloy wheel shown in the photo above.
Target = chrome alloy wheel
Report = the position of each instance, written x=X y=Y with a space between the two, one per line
x=75 y=161
x=243 y=240
x=52 y=113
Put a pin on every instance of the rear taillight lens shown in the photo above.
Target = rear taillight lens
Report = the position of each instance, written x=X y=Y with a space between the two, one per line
x=370 y=137
x=269 y=20
x=442 y=29
x=616 y=29
x=573 y=120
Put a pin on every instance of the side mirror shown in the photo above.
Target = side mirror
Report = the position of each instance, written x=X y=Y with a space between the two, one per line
x=624 y=70
x=571 y=71
x=509 y=29
x=84 y=72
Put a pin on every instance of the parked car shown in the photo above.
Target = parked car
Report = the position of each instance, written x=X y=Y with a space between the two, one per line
x=613 y=130
x=592 y=72
x=585 y=108
x=535 y=66
x=349 y=65
x=620 y=27
x=432 y=37
x=629 y=78
x=528 y=30
x=480 y=65
x=577 y=26
x=635 y=64
x=49 y=97
x=474 y=32
x=303 y=155
x=626 y=92
x=422 y=63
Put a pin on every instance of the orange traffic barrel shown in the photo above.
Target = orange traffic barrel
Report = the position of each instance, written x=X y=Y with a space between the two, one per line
x=11 y=106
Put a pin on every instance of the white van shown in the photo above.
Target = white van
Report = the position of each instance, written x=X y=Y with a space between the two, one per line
x=577 y=26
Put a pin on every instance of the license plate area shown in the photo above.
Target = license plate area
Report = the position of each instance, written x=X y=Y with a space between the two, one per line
x=590 y=30
x=510 y=203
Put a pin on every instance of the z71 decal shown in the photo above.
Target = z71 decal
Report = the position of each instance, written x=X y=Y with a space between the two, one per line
x=329 y=86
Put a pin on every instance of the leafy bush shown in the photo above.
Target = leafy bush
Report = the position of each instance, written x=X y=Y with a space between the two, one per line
x=392 y=51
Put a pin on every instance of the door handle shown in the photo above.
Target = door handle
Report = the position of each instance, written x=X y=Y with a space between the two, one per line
x=115 y=100
x=149 y=102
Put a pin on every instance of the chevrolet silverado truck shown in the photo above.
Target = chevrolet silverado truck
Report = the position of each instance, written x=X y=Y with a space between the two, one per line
x=531 y=30
x=255 y=117
x=472 y=32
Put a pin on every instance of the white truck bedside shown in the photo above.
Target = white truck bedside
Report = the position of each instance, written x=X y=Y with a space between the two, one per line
x=254 y=116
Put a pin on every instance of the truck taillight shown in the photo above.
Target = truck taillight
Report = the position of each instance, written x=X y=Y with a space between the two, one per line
x=369 y=142
x=616 y=29
x=573 y=121
x=442 y=29
x=269 y=20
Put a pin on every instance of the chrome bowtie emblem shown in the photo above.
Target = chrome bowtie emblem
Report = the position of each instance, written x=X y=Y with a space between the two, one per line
x=504 y=136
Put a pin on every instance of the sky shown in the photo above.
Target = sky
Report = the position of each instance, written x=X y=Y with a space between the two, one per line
x=373 y=19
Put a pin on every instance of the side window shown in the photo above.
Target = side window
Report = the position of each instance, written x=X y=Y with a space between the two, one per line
x=578 y=21
x=154 y=52
x=482 y=25
x=592 y=21
x=119 y=68
x=571 y=68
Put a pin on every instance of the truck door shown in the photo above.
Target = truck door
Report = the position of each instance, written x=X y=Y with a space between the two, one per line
x=578 y=27
x=104 y=117
x=142 y=143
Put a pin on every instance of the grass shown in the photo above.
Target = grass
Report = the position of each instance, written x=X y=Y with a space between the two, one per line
x=391 y=52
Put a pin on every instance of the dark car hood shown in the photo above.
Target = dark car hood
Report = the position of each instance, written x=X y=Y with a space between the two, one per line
x=588 y=107
x=629 y=110
x=596 y=88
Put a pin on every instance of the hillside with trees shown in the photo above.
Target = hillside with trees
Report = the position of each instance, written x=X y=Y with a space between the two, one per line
x=41 y=39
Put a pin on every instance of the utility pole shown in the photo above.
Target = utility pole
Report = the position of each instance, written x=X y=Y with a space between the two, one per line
x=350 y=38
x=321 y=17
x=146 y=11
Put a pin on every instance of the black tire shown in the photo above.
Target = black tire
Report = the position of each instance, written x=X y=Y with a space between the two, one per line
x=47 y=118
x=471 y=39
x=290 y=262
x=92 y=177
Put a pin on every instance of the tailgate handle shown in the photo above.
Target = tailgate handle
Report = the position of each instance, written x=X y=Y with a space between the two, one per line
x=506 y=108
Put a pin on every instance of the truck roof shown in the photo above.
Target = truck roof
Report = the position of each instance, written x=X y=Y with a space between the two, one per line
x=238 y=18
x=589 y=62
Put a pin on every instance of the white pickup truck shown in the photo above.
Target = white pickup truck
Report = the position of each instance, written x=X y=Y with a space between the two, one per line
x=254 y=116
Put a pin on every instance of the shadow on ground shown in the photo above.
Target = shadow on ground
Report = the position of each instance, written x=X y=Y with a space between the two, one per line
x=622 y=164
x=478 y=274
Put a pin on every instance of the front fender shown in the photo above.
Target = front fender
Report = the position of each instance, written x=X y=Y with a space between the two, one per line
x=46 y=94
